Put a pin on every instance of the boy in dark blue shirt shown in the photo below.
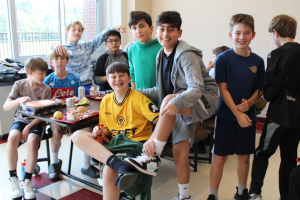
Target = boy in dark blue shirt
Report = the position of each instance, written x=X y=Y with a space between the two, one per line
x=239 y=74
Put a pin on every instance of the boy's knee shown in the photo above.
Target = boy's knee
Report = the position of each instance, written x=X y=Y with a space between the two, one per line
x=56 y=129
x=219 y=160
x=168 y=98
x=33 y=141
x=109 y=174
x=244 y=158
x=75 y=136
x=13 y=138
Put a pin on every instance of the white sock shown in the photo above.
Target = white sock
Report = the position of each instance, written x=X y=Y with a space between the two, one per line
x=53 y=157
x=214 y=192
x=184 y=190
x=159 y=146
x=241 y=189
x=86 y=161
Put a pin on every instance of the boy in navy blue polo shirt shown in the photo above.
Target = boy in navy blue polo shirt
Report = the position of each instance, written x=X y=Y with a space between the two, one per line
x=239 y=74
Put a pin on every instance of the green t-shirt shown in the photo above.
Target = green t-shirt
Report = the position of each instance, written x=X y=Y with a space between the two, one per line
x=142 y=63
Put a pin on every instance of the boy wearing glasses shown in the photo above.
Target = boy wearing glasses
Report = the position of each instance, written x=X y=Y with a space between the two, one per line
x=113 y=54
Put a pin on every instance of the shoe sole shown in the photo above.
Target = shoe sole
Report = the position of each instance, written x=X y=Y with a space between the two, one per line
x=17 y=198
x=140 y=169
x=127 y=180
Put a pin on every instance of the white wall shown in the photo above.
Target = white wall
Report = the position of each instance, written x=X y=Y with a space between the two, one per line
x=205 y=23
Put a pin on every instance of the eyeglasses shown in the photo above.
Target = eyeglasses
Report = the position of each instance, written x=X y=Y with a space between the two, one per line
x=112 y=41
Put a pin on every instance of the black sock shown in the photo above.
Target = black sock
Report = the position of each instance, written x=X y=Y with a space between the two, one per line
x=27 y=176
x=13 y=173
x=117 y=164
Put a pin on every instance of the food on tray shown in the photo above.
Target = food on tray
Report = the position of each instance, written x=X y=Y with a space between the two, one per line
x=41 y=103
x=93 y=91
x=72 y=115
x=58 y=115
x=81 y=109
x=83 y=101
x=61 y=101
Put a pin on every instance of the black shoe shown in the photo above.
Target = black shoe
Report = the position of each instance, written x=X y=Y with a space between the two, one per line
x=244 y=196
x=146 y=164
x=211 y=197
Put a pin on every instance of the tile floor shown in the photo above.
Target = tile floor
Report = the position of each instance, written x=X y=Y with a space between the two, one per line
x=164 y=185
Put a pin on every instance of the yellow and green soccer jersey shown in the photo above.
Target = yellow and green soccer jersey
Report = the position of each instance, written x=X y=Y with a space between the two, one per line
x=131 y=117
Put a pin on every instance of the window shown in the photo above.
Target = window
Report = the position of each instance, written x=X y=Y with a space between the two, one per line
x=5 y=48
x=36 y=25
x=85 y=12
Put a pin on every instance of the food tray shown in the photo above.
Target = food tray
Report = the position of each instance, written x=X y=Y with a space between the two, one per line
x=64 y=119
x=95 y=97
x=43 y=107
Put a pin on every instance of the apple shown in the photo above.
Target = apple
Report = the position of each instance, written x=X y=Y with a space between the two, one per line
x=58 y=115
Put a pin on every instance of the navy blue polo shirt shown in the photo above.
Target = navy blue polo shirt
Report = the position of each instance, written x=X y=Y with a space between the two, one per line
x=243 y=76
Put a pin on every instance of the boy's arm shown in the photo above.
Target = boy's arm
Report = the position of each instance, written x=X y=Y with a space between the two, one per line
x=10 y=103
x=242 y=118
x=13 y=101
x=151 y=93
x=99 y=72
x=247 y=103
x=210 y=65
x=191 y=66
x=131 y=68
x=27 y=128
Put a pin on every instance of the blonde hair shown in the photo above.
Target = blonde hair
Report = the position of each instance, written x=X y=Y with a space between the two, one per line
x=244 y=19
x=73 y=24
x=52 y=54
x=285 y=25
x=36 y=63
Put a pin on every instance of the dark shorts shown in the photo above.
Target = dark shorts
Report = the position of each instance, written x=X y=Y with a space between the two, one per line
x=231 y=139
x=37 y=129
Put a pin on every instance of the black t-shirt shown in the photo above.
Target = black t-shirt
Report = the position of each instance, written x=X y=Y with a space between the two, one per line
x=167 y=65
x=284 y=110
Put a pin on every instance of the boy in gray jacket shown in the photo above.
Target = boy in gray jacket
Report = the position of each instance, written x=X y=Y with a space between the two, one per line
x=186 y=94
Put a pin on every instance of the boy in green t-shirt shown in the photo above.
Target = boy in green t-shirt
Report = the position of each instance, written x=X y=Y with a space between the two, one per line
x=142 y=53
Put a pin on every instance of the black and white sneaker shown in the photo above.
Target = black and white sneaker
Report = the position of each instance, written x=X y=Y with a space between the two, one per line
x=146 y=164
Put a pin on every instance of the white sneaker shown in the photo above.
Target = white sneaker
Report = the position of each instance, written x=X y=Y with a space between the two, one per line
x=146 y=164
x=28 y=189
x=256 y=197
x=182 y=198
x=15 y=188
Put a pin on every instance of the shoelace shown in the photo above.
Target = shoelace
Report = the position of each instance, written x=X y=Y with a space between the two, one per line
x=145 y=158
x=28 y=186
x=14 y=183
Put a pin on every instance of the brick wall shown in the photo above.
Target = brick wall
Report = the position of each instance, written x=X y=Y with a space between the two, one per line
x=89 y=19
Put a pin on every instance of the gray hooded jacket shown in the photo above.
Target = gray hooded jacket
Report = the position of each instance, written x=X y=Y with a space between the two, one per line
x=192 y=83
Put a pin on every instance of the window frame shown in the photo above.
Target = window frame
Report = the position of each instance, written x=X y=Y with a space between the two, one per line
x=102 y=21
